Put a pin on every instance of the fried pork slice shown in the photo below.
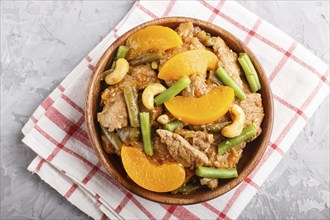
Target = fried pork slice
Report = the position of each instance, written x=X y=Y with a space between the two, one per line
x=198 y=139
x=114 y=113
x=254 y=111
x=180 y=149
x=227 y=59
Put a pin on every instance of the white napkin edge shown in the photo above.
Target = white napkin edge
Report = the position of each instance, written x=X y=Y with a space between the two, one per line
x=57 y=180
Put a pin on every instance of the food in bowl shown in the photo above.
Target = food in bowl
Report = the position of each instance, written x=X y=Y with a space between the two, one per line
x=178 y=107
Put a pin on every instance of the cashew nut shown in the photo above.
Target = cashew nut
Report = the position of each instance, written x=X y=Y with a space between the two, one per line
x=235 y=128
x=149 y=93
x=163 y=119
x=119 y=72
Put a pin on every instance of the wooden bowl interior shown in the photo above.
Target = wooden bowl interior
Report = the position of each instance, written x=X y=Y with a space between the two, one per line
x=112 y=163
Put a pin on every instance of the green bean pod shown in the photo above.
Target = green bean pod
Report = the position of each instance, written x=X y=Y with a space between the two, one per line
x=171 y=126
x=219 y=173
x=121 y=53
x=147 y=58
x=250 y=72
x=186 y=189
x=146 y=133
x=247 y=132
x=131 y=99
x=226 y=79
x=113 y=139
x=172 y=91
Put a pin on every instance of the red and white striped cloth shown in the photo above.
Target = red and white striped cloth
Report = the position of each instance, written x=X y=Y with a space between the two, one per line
x=57 y=133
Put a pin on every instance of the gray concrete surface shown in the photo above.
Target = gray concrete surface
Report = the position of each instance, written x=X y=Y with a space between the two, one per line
x=43 y=41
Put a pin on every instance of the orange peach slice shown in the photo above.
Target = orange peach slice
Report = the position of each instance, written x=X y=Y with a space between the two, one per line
x=158 y=178
x=202 y=110
x=187 y=63
x=150 y=39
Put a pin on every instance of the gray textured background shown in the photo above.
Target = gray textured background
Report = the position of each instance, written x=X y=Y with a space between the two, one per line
x=41 y=42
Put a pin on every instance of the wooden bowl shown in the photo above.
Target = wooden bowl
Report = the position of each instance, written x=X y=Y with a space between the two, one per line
x=112 y=163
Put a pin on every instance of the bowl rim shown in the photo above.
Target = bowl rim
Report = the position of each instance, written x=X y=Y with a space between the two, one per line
x=160 y=197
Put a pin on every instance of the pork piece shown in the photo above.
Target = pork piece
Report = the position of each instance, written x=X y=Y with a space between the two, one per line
x=210 y=182
x=227 y=59
x=228 y=160
x=180 y=149
x=128 y=135
x=198 y=86
x=200 y=34
x=138 y=76
x=254 y=111
x=195 y=44
x=186 y=31
x=114 y=113
x=198 y=139
x=161 y=154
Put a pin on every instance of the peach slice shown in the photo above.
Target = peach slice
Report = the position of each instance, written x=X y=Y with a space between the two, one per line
x=202 y=110
x=187 y=63
x=150 y=39
x=158 y=178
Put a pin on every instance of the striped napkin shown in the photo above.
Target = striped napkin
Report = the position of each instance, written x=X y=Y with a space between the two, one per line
x=57 y=133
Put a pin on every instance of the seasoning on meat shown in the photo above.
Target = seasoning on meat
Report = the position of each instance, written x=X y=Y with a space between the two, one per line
x=198 y=139
x=198 y=87
x=227 y=59
x=228 y=160
x=254 y=111
x=140 y=77
x=129 y=135
x=114 y=113
x=161 y=153
x=186 y=31
x=181 y=150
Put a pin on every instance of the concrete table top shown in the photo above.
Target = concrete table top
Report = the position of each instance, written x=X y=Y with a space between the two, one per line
x=41 y=42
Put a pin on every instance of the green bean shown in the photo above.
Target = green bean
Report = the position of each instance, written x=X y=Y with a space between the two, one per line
x=172 y=91
x=226 y=79
x=171 y=126
x=247 y=132
x=146 y=133
x=250 y=72
x=131 y=99
x=121 y=53
x=105 y=73
x=220 y=173
x=147 y=58
x=186 y=189
x=112 y=138
x=154 y=65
